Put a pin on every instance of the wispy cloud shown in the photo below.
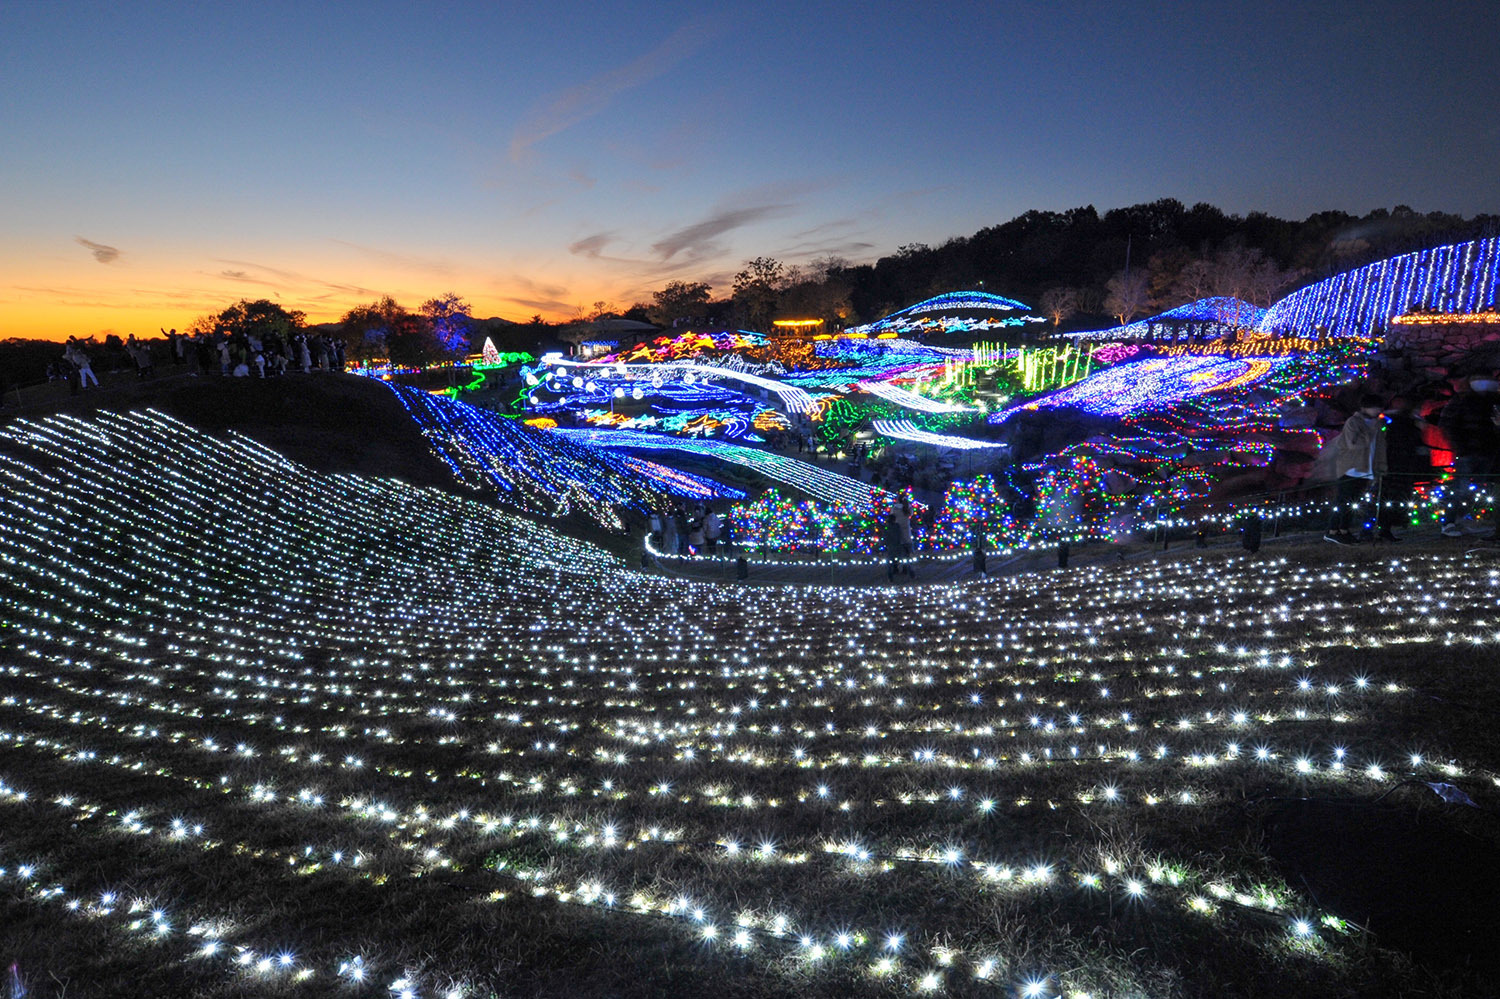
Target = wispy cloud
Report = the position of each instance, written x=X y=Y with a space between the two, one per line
x=244 y=277
x=243 y=269
x=851 y=248
x=591 y=246
x=102 y=253
x=566 y=108
x=545 y=304
x=533 y=288
x=701 y=238
x=300 y=285
x=406 y=261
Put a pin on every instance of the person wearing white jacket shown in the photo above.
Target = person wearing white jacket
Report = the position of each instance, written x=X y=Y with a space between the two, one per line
x=1358 y=455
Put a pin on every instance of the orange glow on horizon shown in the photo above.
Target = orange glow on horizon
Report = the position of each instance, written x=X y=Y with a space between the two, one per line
x=34 y=308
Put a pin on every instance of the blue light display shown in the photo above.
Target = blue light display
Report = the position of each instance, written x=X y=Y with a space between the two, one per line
x=1151 y=384
x=1205 y=319
x=955 y=300
x=816 y=482
x=943 y=314
x=1462 y=277
x=542 y=472
x=905 y=430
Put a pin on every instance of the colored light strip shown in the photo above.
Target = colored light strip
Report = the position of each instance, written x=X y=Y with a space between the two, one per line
x=906 y=431
x=911 y=400
x=824 y=485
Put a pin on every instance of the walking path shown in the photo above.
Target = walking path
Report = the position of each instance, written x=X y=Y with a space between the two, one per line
x=872 y=572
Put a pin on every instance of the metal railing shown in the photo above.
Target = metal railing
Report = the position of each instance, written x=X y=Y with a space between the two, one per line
x=1391 y=500
x=1395 y=500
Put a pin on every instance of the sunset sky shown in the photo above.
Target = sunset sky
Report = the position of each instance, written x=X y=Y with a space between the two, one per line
x=159 y=161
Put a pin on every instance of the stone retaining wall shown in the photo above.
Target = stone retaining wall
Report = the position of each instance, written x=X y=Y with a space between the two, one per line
x=1442 y=350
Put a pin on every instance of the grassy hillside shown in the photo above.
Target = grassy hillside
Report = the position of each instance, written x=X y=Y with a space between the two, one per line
x=334 y=423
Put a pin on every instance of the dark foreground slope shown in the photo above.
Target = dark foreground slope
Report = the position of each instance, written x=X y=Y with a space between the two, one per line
x=334 y=423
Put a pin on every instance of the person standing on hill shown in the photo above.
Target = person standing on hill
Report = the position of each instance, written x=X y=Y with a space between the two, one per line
x=1471 y=422
x=890 y=536
x=676 y=529
x=1357 y=455
x=903 y=522
x=1408 y=459
x=76 y=356
x=176 y=346
x=713 y=527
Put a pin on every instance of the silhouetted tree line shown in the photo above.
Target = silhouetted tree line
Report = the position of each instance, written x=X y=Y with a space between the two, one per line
x=1074 y=262
x=1081 y=249
x=1066 y=265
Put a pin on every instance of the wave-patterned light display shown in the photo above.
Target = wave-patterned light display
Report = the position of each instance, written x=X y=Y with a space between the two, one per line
x=542 y=472
x=816 y=482
x=1151 y=384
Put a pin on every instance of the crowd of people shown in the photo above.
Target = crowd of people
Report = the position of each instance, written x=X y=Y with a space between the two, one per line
x=1382 y=449
x=230 y=355
x=690 y=529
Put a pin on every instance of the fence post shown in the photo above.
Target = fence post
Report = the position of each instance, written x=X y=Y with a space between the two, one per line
x=1379 y=513
x=1276 y=521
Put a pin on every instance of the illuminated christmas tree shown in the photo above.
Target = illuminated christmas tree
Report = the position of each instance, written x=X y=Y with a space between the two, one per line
x=490 y=355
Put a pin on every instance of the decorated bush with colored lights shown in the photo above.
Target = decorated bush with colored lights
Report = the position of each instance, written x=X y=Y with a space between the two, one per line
x=776 y=523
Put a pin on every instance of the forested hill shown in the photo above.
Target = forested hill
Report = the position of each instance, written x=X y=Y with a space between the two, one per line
x=1082 y=250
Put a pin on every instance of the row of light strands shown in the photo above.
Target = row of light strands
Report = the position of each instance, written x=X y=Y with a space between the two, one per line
x=544 y=473
x=421 y=679
x=1460 y=278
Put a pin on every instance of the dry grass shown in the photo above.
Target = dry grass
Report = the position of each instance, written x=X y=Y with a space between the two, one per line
x=478 y=667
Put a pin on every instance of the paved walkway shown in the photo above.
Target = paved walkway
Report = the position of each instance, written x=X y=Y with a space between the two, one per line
x=1426 y=539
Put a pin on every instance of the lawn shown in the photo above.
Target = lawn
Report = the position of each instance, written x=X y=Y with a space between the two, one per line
x=266 y=731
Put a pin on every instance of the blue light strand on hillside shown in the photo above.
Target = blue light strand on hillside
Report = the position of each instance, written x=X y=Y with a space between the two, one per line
x=816 y=482
x=906 y=431
x=907 y=399
x=1462 y=277
x=543 y=473
x=888 y=353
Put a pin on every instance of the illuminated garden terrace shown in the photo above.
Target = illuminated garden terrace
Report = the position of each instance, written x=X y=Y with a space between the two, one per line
x=266 y=731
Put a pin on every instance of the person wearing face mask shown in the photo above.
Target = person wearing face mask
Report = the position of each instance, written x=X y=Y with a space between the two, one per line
x=1471 y=423
x=1357 y=455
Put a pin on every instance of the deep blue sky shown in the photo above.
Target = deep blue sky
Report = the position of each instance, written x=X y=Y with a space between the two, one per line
x=539 y=157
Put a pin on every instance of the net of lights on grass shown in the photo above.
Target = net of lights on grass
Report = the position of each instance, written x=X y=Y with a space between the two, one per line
x=326 y=684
